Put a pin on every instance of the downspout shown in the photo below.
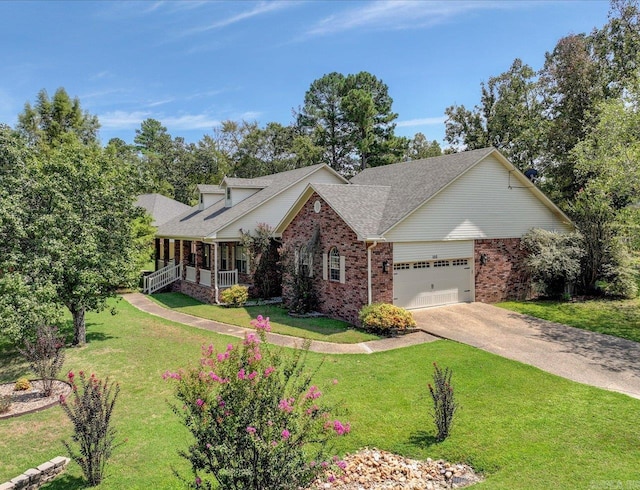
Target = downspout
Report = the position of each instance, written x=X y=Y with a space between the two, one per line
x=215 y=271
x=369 y=289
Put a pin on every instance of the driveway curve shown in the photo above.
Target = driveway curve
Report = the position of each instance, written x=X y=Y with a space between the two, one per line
x=579 y=355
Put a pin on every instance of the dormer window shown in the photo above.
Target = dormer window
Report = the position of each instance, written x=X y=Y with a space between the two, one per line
x=228 y=200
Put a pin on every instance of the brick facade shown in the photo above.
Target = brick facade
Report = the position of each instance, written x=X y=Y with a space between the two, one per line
x=336 y=299
x=500 y=273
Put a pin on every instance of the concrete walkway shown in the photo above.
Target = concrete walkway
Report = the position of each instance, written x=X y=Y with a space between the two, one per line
x=579 y=355
x=142 y=302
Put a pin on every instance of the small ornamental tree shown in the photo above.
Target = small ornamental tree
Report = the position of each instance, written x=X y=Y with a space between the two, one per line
x=45 y=355
x=90 y=411
x=444 y=403
x=257 y=421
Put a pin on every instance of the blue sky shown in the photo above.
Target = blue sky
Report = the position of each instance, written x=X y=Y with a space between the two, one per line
x=192 y=64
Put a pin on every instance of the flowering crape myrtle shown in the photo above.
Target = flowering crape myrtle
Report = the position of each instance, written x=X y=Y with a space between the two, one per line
x=256 y=419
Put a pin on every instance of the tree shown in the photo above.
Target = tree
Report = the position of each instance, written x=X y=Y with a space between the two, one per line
x=419 y=147
x=572 y=88
x=607 y=170
x=70 y=224
x=350 y=118
x=617 y=47
x=85 y=215
x=50 y=119
x=508 y=117
x=26 y=297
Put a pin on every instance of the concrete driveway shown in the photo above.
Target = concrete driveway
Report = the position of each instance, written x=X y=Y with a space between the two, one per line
x=591 y=358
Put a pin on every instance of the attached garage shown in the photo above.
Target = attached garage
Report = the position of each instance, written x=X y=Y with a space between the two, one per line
x=432 y=273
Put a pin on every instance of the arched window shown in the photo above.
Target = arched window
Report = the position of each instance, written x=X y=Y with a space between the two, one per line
x=334 y=264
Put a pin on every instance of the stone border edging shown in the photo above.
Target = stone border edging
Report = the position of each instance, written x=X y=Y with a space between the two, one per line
x=55 y=401
x=34 y=478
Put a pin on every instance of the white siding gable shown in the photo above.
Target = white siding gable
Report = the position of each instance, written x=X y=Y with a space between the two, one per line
x=272 y=211
x=486 y=202
x=209 y=199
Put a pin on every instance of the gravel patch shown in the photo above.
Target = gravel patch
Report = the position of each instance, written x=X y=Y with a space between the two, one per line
x=375 y=469
x=23 y=402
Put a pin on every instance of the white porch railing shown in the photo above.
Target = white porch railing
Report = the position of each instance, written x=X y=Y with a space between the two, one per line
x=161 y=278
x=205 y=277
x=191 y=274
x=227 y=278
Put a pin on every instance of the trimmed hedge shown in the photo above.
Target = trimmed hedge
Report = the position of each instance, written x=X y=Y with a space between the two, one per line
x=385 y=318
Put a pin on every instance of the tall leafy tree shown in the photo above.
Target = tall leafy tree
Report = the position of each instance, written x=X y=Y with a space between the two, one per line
x=508 y=117
x=51 y=118
x=420 y=147
x=350 y=118
x=609 y=177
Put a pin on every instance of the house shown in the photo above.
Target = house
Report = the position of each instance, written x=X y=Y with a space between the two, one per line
x=422 y=233
x=200 y=251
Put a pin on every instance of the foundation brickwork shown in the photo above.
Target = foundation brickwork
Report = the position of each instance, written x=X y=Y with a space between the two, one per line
x=500 y=272
x=335 y=299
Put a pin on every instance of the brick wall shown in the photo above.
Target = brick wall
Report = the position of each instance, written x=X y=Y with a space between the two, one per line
x=201 y=293
x=502 y=276
x=335 y=299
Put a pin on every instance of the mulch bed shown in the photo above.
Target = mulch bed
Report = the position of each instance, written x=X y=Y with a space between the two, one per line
x=29 y=401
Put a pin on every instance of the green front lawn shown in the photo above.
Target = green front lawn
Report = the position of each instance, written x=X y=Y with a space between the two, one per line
x=618 y=318
x=319 y=328
x=522 y=427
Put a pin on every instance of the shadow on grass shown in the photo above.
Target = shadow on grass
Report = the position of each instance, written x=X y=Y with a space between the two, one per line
x=66 y=482
x=99 y=336
x=422 y=438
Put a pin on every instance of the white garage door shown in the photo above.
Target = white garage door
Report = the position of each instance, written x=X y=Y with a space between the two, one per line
x=439 y=281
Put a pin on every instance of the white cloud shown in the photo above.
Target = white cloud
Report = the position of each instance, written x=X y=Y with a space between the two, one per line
x=127 y=120
x=160 y=102
x=189 y=121
x=259 y=9
x=122 y=119
x=401 y=14
x=250 y=115
x=425 y=121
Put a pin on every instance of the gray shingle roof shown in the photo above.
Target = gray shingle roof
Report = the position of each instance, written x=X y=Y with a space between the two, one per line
x=161 y=208
x=210 y=189
x=412 y=183
x=259 y=182
x=360 y=206
x=201 y=223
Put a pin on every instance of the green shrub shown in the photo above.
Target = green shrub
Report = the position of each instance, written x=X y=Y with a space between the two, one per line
x=22 y=384
x=5 y=403
x=235 y=296
x=385 y=318
x=553 y=259
x=257 y=421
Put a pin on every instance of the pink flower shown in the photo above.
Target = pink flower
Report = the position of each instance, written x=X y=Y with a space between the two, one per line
x=241 y=374
x=250 y=338
x=253 y=374
x=342 y=464
x=200 y=402
x=251 y=430
x=286 y=405
x=335 y=381
x=229 y=347
x=313 y=393
x=340 y=428
x=261 y=323
x=286 y=434
x=198 y=481
x=331 y=479
x=268 y=371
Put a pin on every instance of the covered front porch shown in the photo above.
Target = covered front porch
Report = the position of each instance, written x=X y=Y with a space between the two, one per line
x=205 y=268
